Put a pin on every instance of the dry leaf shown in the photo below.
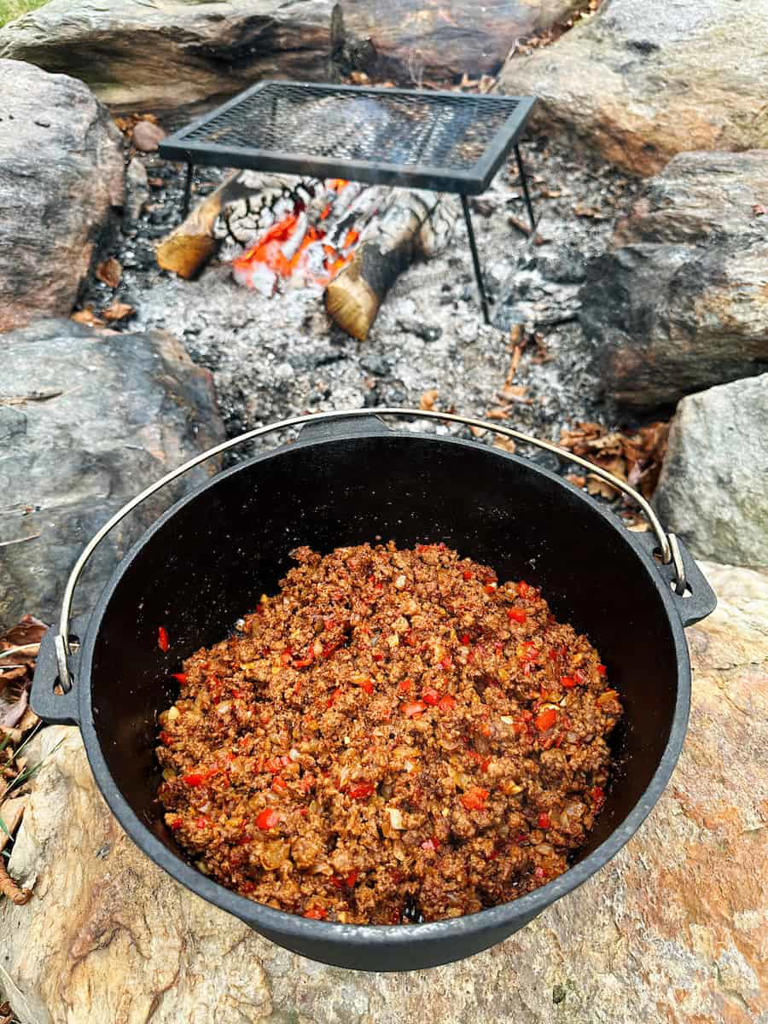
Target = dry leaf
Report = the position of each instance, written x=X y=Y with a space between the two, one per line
x=576 y=479
x=506 y=443
x=88 y=317
x=499 y=413
x=636 y=458
x=118 y=311
x=597 y=486
x=428 y=399
x=759 y=210
x=512 y=392
x=110 y=271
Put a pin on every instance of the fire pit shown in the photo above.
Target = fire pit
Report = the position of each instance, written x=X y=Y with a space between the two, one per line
x=441 y=141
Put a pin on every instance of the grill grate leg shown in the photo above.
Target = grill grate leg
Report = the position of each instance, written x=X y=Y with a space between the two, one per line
x=524 y=184
x=187 y=191
x=476 y=260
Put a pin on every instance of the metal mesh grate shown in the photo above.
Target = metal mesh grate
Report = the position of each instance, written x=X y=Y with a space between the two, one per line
x=450 y=132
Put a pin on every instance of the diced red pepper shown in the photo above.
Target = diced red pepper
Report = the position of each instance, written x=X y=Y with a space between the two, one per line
x=203 y=822
x=430 y=844
x=516 y=615
x=410 y=639
x=580 y=678
x=568 y=682
x=165 y=738
x=337 y=881
x=474 y=799
x=279 y=784
x=303 y=811
x=351 y=878
x=465 y=639
x=446 y=663
x=545 y=719
x=360 y=790
x=413 y=708
x=598 y=795
x=267 y=819
x=180 y=677
x=367 y=685
x=405 y=685
x=304 y=662
x=193 y=779
x=176 y=824
x=539 y=872
x=316 y=913
x=378 y=656
x=485 y=764
x=431 y=696
x=543 y=820
x=247 y=886
x=286 y=656
x=467 y=574
x=522 y=588
x=447 y=703
x=162 y=638
x=334 y=696
x=490 y=588
x=602 y=669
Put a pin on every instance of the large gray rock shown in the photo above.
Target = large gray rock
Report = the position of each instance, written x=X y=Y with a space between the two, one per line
x=87 y=419
x=411 y=39
x=61 y=172
x=713 y=489
x=170 y=53
x=680 y=302
x=641 y=82
x=672 y=930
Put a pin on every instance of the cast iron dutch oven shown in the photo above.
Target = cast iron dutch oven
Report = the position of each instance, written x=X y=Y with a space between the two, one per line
x=350 y=479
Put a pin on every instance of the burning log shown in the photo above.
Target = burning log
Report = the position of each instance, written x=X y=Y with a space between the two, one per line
x=410 y=224
x=187 y=249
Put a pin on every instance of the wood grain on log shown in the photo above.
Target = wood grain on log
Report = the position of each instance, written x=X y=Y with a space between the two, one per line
x=390 y=243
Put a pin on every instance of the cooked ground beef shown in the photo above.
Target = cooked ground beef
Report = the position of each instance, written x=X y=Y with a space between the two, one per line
x=393 y=737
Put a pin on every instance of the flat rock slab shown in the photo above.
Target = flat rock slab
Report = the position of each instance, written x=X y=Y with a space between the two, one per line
x=713 y=489
x=679 y=302
x=673 y=929
x=87 y=419
x=61 y=172
x=172 y=53
x=640 y=83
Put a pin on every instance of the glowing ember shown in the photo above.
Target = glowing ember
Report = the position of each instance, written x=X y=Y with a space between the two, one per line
x=296 y=250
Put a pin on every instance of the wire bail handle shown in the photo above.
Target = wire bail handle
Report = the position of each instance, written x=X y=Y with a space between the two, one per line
x=668 y=548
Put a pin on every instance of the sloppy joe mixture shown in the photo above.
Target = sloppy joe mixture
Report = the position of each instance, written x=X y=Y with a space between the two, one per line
x=396 y=736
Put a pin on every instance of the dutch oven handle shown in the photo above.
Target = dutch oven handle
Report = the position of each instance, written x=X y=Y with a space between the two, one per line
x=678 y=566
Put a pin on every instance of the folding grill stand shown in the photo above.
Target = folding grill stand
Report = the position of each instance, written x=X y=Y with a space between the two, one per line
x=223 y=138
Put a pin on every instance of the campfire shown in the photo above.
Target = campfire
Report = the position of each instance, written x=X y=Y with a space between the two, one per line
x=352 y=237
x=306 y=246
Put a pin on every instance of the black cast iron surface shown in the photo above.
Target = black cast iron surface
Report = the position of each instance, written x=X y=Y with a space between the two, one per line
x=208 y=559
x=452 y=142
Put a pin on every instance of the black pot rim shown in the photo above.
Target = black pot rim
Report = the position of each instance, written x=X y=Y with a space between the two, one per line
x=294 y=927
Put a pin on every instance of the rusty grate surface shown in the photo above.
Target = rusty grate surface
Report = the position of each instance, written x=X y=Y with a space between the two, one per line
x=445 y=140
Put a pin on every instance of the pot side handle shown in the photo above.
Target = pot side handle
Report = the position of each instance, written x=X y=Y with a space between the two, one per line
x=699 y=599
x=54 y=708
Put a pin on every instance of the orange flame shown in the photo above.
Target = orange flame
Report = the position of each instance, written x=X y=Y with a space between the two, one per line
x=269 y=249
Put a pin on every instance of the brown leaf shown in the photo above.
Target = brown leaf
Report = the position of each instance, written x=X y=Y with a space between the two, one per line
x=88 y=317
x=505 y=443
x=576 y=479
x=28 y=630
x=499 y=413
x=597 y=486
x=118 y=311
x=759 y=210
x=110 y=271
x=428 y=399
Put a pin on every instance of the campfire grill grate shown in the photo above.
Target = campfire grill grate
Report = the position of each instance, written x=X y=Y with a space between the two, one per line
x=451 y=142
x=443 y=141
